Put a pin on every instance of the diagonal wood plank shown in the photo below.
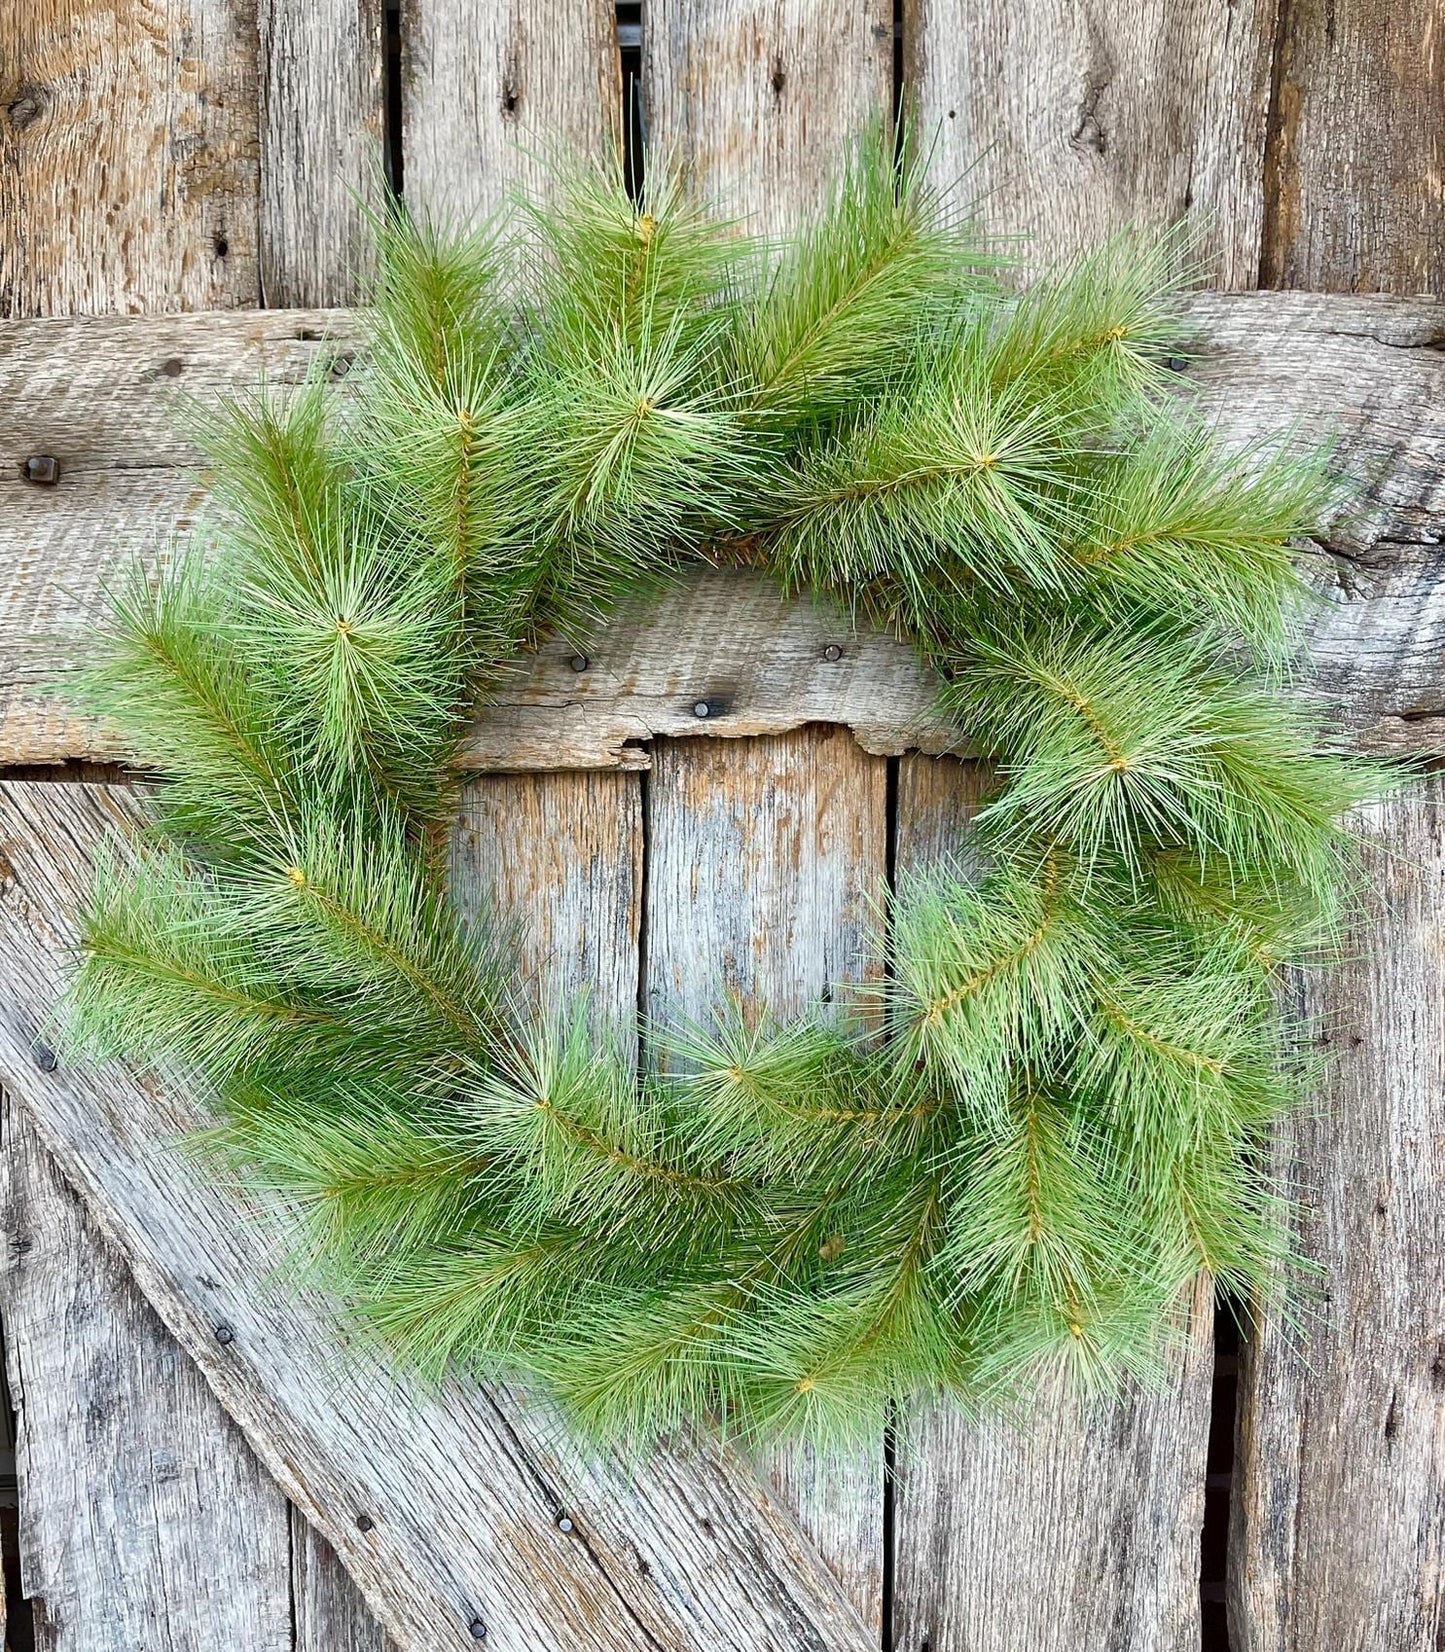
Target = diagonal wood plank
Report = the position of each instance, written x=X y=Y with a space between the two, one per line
x=106 y=396
x=462 y=1489
x=1080 y=1529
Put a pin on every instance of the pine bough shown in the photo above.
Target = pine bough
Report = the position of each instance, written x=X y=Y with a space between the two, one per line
x=1010 y=1164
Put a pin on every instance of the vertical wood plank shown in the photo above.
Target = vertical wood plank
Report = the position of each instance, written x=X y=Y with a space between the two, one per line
x=763 y=858
x=488 y=91
x=1065 y=119
x=1082 y=1530
x=146 y=1521
x=560 y=856
x=128 y=157
x=321 y=147
x=1339 y=1492
x=328 y=1612
x=757 y=98
x=1357 y=147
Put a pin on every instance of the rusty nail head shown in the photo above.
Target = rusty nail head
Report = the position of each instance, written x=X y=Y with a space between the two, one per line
x=832 y=652
x=478 y=1629
x=224 y=1334
x=41 y=468
x=173 y=367
x=579 y=662
x=364 y=1522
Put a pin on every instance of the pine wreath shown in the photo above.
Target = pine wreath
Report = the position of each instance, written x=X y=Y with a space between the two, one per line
x=1015 y=1156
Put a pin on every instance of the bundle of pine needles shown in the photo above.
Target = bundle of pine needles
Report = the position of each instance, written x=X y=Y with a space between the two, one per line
x=781 y=1227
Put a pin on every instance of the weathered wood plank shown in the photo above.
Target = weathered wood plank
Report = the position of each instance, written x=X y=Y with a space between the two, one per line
x=462 y=1487
x=560 y=856
x=489 y=91
x=1357 y=133
x=1338 y=1542
x=144 y=1516
x=1083 y=1529
x=756 y=102
x=128 y=165
x=103 y=396
x=1066 y=121
x=763 y=859
x=328 y=1612
x=321 y=146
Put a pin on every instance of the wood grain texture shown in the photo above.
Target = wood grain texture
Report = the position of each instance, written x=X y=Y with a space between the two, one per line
x=1339 y=1490
x=756 y=100
x=128 y=156
x=1357 y=148
x=321 y=147
x=328 y=1613
x=489 y=92
x=146 y=1521
x=763 y=859
x=1083 y=1529
x=560 y=856
x=1066 y=119
x=105 y=396
x=462 y=1486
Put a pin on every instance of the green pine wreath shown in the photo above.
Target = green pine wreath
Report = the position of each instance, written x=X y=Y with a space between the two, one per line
x=1008 y=1160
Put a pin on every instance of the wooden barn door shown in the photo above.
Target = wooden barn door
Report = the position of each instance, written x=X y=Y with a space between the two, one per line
x=190 y=1479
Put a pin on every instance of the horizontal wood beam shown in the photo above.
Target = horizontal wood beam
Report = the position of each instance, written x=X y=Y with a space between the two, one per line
x=111 y=399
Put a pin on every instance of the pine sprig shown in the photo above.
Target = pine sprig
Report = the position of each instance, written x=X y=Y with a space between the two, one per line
x=1003 y=1163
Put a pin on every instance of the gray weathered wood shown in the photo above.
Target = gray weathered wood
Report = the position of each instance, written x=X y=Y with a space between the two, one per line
x=757 y=101
x=463 y=1485
x=321 y=146
x=328 y=1612
x=560 y=857
x=1356 y=134
x=145 y=1519
x=128 y=169
x=764 y=858
x=104 y=395
x=1339 y=1487
x=1082 y=1528
x=1066 y=119
x=490 y=92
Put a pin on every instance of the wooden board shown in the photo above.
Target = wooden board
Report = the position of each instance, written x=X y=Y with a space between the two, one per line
x=1356 y=134
x=143 y=1507
x=461 y=1488
x=106 y=397
x=128 y=157
x=489 y=92
x=328 y=1613
x=560 y=857
x=1064 y=122
x=321 y=147
x=763 y=861
x=1339 y=1537
x=756 y=103
x=1081 y=1530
